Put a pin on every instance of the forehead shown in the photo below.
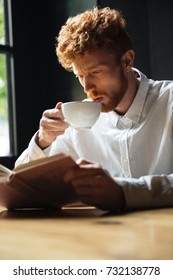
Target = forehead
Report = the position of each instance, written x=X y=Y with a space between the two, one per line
x=93 y=59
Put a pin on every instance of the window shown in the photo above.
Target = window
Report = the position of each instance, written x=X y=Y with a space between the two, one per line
x=7 y=119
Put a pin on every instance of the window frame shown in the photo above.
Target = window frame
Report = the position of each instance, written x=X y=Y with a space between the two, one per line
x=7 y=50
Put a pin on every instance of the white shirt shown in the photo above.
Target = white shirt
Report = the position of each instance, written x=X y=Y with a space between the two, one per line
x=136 y=149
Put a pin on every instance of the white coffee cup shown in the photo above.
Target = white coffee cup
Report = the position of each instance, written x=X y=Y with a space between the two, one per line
x=81 y=114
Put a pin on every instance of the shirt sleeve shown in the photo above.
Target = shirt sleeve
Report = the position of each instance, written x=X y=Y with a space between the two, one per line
x=150 y=191
x=62 y=144
x=32 y=152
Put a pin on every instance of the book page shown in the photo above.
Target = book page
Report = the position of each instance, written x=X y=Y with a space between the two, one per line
x=4 y=171
x=38 y=162
x=38 y=184
x=48 y=179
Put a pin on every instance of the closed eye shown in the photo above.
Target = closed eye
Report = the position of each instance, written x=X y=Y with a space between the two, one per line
x=97 y=71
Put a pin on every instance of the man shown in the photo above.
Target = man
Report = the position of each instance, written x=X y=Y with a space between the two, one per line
x=127 y=156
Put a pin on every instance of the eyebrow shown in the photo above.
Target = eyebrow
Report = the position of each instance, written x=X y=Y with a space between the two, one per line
x=92 y=67
x=101 y=64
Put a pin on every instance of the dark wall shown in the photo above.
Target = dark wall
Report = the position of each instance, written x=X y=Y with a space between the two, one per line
x=150 y=26
x=40 y=82
x=160 y=15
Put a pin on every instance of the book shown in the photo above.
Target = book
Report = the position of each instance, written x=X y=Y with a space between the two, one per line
x=37 y=184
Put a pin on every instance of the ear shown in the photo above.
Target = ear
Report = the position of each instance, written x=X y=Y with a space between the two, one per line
x=127 y=60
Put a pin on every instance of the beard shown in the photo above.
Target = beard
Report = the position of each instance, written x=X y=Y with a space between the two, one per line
x=113 y=100
x=107 y=107
x=114 y=96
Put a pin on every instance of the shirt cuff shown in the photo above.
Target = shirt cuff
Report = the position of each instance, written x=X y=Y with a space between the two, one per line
x=34 y=151
x=150 y=191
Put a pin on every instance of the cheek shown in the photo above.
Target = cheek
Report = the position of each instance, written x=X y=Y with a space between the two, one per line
x=121 y=85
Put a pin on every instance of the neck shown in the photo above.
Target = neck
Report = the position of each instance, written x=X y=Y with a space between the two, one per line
x=133 y=85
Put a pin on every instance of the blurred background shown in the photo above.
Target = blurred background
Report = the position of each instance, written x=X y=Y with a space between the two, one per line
x=31 y=79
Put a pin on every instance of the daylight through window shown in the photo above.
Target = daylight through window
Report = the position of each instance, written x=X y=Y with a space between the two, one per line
x=6 y=106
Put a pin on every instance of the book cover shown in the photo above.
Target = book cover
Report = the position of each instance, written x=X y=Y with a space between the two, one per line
x=37 y=184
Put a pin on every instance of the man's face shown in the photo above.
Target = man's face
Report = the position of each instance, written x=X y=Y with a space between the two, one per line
x=102 y=78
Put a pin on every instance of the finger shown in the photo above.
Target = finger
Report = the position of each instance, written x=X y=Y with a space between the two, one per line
x=53 y=114
x=100 y=191
x=82 y=161
x=89 y=190
x=52 y=124
x=78 y=172
x=85 y=163
x=58 y=105
x=91 y=183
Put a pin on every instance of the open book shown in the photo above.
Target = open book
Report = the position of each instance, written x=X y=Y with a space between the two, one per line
x=37 y=184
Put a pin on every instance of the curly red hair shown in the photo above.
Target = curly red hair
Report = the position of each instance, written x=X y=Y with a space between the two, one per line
x=97 y=28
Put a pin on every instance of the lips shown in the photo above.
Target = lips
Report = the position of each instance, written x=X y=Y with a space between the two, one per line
x=98 y=99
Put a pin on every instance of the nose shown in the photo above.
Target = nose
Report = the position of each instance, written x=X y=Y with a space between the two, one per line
x=88 y=84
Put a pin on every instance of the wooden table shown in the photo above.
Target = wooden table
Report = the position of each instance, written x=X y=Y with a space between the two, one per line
x=86 y=233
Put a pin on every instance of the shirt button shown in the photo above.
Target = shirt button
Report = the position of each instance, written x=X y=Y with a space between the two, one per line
x=125 y=161
x=125 y=164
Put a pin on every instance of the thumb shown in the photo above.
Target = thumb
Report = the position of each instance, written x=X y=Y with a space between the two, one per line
x=58 y=105
x=87 y=164
x=81 y=161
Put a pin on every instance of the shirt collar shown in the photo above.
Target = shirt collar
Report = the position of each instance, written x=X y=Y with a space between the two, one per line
x=133 y=114
x=135 y=111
